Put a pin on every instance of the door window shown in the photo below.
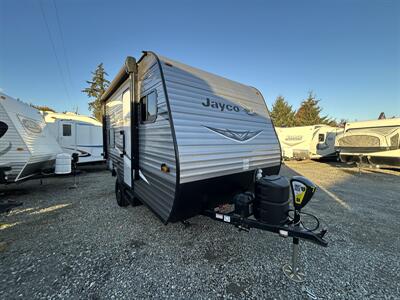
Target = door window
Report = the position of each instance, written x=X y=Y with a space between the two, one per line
x=111 y=137
x=321 y=137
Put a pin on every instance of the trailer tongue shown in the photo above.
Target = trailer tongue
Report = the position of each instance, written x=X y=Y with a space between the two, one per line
x=253 y=213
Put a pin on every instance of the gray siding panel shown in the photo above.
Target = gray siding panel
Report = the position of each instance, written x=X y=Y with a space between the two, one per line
x=203 y=153
x=114 y=124
x=156 y=146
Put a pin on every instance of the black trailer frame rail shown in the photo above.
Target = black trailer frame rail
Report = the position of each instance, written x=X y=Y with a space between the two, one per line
x=286 y=230
x=292 y=229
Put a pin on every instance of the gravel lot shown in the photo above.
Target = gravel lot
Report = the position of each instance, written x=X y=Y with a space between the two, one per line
x=77 y=243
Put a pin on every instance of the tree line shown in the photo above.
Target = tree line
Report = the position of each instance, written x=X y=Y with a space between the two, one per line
x=282 y=114
x=309 y=113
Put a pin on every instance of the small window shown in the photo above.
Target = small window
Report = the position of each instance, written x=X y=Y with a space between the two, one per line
x=321 y=137
x=148 y=107
x=67 y=130
x=394 y=141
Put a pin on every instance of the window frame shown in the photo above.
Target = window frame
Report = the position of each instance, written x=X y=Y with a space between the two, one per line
x=111 y=138
x=63 y=129
x=153 y=117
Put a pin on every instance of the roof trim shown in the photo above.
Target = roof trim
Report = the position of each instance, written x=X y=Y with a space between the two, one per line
x=129 y=67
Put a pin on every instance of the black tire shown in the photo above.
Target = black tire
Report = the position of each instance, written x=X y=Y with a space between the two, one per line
x=136 y=202
x=120 y=195
x=132 y=199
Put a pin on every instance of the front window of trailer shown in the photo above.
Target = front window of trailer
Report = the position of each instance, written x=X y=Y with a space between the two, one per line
x=148 y=107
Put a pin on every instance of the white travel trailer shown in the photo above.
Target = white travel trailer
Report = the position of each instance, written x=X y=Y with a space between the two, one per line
x=375 y=142
x=307 y=142
x=26 y=147
x=77 y=134
x=184 y=142
x=192 y=132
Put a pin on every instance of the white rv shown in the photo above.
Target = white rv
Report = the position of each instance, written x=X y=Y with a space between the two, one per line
x=307 y=142
x=376 y=142
x=77 y=134
x=26 y=147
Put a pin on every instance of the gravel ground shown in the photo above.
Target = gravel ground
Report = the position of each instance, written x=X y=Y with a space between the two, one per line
x=77 y=243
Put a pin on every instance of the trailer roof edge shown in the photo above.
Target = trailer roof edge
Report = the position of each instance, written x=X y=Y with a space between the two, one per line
x=129 y=67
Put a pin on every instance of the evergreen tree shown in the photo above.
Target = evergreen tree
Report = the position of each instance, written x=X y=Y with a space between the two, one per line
x=96 y=88
x=282 y=113
x=309 y=113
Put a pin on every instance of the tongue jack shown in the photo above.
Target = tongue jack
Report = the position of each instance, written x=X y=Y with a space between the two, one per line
x=302 y=191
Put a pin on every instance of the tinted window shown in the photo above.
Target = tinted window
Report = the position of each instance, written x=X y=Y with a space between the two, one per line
x=151 y=106
x=148 y=107
x=3 y=128
x=394 y=141
x=66 y=129
x=321 y=137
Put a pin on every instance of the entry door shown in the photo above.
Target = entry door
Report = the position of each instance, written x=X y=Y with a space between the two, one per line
x=126 y=113
x=67 y=135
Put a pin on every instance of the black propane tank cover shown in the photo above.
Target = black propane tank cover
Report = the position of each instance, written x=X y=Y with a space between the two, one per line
x=274 y=188
x=271 y=203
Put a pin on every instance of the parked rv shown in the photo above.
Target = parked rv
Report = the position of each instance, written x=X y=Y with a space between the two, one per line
x=26 y=147
x=374 y=142
x=77 y=134
x=308 y=142
x=184 y=141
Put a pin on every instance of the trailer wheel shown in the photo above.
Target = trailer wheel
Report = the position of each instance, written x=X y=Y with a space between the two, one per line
x=135 y=202
x=119 y=195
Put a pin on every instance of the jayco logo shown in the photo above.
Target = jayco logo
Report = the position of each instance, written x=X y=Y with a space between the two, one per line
x=220 y=106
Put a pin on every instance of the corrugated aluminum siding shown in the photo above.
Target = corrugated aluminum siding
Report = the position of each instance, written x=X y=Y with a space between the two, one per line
x=204 y=153
x=37 y=146
x=114 y=124
x=13 y=158
x=156 y=145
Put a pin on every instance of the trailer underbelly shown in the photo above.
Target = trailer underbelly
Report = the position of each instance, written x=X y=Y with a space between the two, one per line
x=194 y=197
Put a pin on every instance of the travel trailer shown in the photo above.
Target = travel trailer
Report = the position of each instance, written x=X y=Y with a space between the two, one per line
x=195 y=136
x=77 y=134
x=186 y=142
x=374 y=142
x=26 y=146
x=307 y=142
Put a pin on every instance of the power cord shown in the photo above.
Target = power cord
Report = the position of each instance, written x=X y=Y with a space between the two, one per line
x=302 y=223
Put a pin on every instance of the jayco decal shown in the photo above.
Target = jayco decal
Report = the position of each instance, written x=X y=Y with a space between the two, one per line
x=228 y=107
x=235 y=135
x=221 y=106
